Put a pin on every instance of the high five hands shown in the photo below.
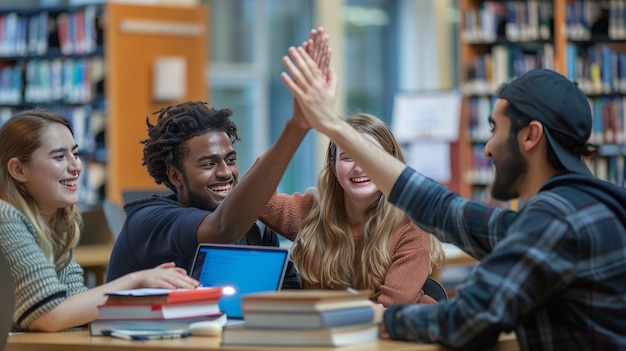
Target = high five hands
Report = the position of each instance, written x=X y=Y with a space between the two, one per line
x=318 y=50
x=311 y=81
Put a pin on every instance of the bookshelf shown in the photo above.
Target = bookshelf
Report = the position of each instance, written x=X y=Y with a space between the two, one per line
x=94 y=65
x=595 y=57
x=584 y=40
x=53 y=59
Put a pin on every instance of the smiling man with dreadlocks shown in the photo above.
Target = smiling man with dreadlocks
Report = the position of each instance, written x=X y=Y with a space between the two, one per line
x=190 y=150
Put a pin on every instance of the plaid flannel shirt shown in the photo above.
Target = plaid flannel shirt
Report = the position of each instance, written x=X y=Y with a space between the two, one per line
x=555 y=272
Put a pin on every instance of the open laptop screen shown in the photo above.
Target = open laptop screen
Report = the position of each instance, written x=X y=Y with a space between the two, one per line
x=244 y=268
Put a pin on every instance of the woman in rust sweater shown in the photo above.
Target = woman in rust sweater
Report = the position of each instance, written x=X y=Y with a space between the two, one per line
x=346 y=234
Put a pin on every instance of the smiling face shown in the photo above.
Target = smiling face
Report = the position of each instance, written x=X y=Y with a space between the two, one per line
x=357 y=186
x=209 y=171
x=503 y=148
x=50 y=176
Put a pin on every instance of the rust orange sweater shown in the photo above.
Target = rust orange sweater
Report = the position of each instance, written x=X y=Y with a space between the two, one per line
x=408 y=249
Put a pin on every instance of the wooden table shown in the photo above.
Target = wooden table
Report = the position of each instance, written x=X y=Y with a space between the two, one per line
x=80 y=341
x=95 y=259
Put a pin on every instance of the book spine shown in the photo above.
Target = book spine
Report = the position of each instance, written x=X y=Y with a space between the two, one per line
x=327 y=319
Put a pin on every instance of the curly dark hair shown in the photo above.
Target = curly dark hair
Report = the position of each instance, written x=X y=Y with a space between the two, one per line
x=166 y=142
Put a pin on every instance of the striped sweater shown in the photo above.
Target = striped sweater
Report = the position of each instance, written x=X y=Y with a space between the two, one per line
x=39 y=288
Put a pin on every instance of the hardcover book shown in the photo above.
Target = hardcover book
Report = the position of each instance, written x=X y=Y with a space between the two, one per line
x=97 y=326
x=243 y=335
x=163 y=296
x=157 y=311
x=304 y=301
x=321 y=319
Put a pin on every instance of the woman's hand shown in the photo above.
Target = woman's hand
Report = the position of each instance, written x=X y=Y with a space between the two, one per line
x=314 y=91
x=166 y=276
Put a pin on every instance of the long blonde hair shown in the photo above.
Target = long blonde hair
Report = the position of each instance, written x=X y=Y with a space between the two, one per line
x=20 y=136
x=324 y=251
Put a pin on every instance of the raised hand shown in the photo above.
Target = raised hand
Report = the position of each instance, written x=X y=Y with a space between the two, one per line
x=318 y=49
x=166 y=276
x=314 y=91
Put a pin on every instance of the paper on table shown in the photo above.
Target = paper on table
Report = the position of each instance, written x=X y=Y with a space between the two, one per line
x=154 y=291
x=141 y=292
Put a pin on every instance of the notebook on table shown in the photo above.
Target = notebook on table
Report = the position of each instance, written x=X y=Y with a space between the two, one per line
x=240 y=269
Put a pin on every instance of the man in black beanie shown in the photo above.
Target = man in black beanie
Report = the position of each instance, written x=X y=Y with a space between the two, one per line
x=555 y=272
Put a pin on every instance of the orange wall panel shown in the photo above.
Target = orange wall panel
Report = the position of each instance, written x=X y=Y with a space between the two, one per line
x=135 y=35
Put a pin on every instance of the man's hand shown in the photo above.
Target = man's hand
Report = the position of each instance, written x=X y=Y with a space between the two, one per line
x=317 y=47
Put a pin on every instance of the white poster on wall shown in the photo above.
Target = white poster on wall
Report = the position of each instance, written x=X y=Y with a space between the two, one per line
x=426 y=116
x=425 y=124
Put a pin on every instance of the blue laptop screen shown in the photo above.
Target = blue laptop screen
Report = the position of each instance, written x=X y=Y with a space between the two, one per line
x=244 y=268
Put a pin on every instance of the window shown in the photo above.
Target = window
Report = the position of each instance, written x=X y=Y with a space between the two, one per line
x=371 y=52
x=248 y=39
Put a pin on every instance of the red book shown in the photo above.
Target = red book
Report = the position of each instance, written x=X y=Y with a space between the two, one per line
x=79 y=32
x=164 y=296
x=63 y=31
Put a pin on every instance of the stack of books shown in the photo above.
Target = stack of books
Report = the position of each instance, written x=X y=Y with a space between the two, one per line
x=304 y=318
x=157 y=308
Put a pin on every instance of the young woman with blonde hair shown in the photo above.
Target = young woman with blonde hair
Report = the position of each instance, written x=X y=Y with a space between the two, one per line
x=347 y=235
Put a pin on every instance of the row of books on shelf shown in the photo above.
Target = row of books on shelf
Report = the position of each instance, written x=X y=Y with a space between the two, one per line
x=284 y=318
x=609 y=121
x=27 y=34
x=586 y=18
x=523 y=21
x=66 y=80
x=78 y=31
x=598 y=69
x=87 y=121
x=609 y=167
x=485 y=73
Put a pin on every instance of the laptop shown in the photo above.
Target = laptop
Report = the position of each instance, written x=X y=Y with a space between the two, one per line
x=240 y=270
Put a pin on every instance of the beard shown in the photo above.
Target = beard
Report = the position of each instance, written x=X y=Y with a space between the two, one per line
x=203 y=202
x=508 y=171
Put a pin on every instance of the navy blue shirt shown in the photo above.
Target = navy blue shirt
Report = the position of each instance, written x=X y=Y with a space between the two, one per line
x=158 y=230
